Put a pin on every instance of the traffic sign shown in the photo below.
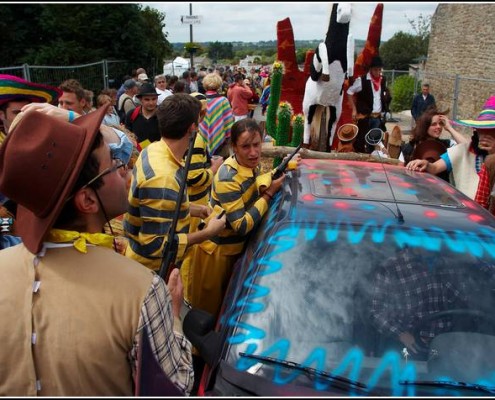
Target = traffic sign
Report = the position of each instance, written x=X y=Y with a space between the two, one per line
x=191 y=19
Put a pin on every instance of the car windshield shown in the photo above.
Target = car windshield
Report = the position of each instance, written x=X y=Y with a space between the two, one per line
x=378 y=306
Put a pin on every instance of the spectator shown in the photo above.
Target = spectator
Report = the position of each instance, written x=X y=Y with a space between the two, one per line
x=143 y=78
x=186 y=80
x=180 y=87
x=126 y=102
x=121 y=89
x=155 y=186
x=171 y=83
x=216 y=125
x=161 y=88
x=422 y=101
x=111 y=116
x=465 y=159
x=64 y=208
x=428 y=129
x=193 y=85
x=89 y=97
x=369 y=98
x=73 y=97
x=142 y=120
x=239 y=96
x=201 y=74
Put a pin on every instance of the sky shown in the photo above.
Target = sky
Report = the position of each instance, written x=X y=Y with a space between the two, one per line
x=257 y=21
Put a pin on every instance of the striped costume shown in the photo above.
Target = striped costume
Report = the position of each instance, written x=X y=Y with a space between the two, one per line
x=152 y=200
x=215 y=127
x=234 y=189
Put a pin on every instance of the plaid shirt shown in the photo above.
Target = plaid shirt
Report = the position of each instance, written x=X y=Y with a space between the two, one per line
x=408 y=288
x=168 y=343
x=483 y=191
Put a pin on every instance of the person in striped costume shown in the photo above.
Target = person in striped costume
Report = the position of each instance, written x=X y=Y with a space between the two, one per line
x=155 y=186
x=236 y=190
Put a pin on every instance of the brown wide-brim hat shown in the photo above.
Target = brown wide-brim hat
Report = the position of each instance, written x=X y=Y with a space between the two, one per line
x=347 y=132
x=430 y=150
x=40 y=162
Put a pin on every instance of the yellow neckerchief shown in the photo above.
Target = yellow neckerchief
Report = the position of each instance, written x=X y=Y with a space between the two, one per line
x=3 y=136
x=80 y=238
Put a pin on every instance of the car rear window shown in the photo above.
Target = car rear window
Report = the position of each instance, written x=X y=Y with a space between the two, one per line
x=370 y=181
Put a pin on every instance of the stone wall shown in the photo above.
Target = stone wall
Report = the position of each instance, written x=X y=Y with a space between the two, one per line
x=462 y=42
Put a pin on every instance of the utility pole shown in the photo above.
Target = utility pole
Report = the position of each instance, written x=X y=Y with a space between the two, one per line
x=191 y=36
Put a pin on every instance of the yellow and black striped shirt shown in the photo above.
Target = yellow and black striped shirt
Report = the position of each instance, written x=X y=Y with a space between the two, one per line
x=234 y=189
x=200 y=176
x=152 y=198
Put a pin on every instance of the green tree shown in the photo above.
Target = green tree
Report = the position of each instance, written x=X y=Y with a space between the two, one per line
x=400 y=51
x=422 y=28
x=21 y=36
x=61 y=34
x=217 y=51
x=402 y=93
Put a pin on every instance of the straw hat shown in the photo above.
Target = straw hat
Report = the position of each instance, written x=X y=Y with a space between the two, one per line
x=486 y=118
x=13 y=88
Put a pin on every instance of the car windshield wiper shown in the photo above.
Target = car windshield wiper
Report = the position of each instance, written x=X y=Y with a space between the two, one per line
x=308 y=370
x=453 y=384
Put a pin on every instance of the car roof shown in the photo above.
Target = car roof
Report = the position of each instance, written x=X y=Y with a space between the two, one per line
x=364 y=191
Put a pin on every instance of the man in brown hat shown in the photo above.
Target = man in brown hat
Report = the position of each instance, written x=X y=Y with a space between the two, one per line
x=73 y=310
x=15 y=93
x=142 y=120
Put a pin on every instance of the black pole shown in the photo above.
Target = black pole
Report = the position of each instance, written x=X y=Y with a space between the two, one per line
x=169 y=253
x=191 y=37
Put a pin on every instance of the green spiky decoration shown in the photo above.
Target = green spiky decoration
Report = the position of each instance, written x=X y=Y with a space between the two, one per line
x=297 y=129
x=283 y=125
x=275 y=90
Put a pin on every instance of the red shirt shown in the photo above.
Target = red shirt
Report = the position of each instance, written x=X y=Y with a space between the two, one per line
x=483 y=191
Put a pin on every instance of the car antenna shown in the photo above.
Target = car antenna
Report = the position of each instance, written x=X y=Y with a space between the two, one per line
x=374 y=138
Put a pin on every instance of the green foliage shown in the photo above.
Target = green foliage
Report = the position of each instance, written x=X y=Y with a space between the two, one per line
x=217 y=51
x=400 y=51
x=405 y=48
x=422 y=27
x=402 y=93
x=61 y=34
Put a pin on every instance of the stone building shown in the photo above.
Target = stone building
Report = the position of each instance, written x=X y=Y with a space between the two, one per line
x=461 y=57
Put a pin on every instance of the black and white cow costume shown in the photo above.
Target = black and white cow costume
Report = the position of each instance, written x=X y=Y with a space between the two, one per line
x=332 y=62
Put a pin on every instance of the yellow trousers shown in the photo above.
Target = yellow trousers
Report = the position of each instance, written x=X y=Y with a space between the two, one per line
x=208 y=278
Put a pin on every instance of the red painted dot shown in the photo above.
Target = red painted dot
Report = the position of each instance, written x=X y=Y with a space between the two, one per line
x=470 y=204
x=313 y=176
x=341 y=204
x=475 y=217
x=431 y=214
x=308 y=197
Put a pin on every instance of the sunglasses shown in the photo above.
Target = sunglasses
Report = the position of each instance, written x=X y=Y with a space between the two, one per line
x=116 y=165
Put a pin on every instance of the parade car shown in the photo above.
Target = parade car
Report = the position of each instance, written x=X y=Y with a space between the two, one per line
x=365 y=279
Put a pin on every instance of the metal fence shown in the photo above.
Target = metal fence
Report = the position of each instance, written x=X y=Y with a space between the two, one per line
x=464 y=96
x=94 y=76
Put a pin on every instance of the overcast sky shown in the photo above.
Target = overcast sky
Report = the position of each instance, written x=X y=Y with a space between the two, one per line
x=257 y=21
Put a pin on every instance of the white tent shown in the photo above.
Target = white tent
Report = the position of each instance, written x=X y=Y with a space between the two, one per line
x=176 y=67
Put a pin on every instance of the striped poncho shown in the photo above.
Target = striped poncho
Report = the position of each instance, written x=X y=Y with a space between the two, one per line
x=215 y=127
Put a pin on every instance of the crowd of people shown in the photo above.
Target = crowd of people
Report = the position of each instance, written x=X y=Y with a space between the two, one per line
x=90 y=212
x=92 y=192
